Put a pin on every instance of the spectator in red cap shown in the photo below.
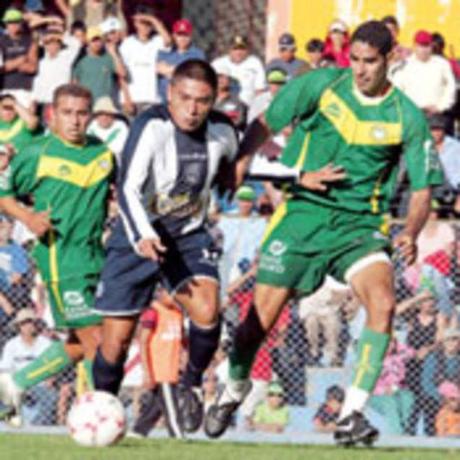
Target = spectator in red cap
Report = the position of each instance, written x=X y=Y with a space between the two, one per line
x=426 y=78
x=182 y=50
x=337 y=44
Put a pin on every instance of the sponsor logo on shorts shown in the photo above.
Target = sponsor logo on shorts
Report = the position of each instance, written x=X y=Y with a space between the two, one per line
x=74 y=298
x=277 y=248
x=76 y=305
x=271 y=263
x=210 y=256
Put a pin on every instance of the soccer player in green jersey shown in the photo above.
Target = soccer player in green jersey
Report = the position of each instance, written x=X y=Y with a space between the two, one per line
x=68 y=176
x=351 y=129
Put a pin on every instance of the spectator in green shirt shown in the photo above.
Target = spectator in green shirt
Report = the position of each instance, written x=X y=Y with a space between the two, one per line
x=17 y=124
x=272 y=416
x=101 y=68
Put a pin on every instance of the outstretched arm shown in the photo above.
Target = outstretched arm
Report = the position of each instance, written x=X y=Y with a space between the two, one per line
x=37 y=222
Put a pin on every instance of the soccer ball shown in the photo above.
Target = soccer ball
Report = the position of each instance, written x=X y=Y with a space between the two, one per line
x=96 y=419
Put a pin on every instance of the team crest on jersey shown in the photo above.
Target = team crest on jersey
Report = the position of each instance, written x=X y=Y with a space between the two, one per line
x=277 y=248
x=333 y=110
x=379 y=133
x=64 y=170
x=104 y=164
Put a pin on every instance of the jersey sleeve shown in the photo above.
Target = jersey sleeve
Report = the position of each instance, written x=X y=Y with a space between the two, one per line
x=232 y=149
x=136 y=161
x=20 y=177
x=299 y=97
x=422 y=160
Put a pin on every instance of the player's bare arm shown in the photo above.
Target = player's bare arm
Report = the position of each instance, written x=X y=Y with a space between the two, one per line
x=37 y=222
x=256 y=135
x=419 y=209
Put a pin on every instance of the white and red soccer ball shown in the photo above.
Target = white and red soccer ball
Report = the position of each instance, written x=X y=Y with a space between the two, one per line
x=96 y=419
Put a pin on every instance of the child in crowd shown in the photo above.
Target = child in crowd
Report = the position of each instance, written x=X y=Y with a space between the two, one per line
x=272 y=415
x=328 y=413
x=448 y=418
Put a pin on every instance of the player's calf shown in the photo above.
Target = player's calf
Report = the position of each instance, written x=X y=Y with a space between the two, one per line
x=107 y=376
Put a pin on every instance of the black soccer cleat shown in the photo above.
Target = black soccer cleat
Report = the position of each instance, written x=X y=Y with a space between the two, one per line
x=355 y=429
x=190 y=407
x=220 y=414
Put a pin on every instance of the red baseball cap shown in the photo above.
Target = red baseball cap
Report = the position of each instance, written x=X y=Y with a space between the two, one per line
x=183 y=26
x=423 y=37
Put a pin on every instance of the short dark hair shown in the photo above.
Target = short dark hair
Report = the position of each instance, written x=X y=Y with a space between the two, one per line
x=390 y=19
x=438 y=43
x=77 y=25
x=73 y=90
x=335 y=392
x=375 y=34
x=196 y=69
x=315 y=45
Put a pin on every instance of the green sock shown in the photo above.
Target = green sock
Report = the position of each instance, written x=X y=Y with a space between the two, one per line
x=241 y=363
x=249 y=336
x=372 y=347
x=88 y=366
x=53 y=360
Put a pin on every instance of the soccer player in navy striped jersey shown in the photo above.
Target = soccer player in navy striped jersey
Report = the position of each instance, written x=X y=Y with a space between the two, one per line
x=172 y=157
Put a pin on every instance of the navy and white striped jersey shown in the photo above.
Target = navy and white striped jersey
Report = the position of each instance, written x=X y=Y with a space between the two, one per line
x=166 y=174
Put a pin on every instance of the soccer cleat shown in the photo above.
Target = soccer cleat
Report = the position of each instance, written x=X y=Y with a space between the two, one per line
x=219 y=415
x=190 y=407
x=10 y=397
x=355 y=429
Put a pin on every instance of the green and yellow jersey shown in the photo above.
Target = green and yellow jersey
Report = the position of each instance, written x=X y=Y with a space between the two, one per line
x=335 y=123
x=16 y=133
x=73 y=183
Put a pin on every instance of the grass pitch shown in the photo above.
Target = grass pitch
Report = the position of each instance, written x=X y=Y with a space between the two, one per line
x=48 y=447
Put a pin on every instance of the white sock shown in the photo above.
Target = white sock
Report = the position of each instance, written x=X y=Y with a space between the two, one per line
x=355 y=400
x=235 y=390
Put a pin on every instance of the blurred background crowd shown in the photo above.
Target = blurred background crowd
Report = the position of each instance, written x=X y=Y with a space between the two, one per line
x=125 y=53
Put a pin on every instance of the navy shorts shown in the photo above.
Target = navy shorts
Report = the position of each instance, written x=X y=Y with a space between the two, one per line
x=128 y=281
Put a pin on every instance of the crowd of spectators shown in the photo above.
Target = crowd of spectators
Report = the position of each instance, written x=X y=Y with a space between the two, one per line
x=126 y=56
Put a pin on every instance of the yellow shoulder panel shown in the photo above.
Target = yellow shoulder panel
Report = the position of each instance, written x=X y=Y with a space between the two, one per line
x=83 y=176
x=352 y=129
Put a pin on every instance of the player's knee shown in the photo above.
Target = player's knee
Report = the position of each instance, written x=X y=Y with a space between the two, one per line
x=207 y=315
x=115 y=348
x=381 y=309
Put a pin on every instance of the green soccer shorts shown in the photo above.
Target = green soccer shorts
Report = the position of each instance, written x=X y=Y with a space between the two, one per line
x=72 y=301
x=304 y=242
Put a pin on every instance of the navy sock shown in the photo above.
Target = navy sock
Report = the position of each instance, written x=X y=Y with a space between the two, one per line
x=107 y=376
x=203 y=343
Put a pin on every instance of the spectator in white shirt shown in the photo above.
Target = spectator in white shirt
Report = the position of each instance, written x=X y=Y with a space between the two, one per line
x=139 y=53
x=246 y=68
x=21 y=350
x=426 y=78
x=107 y=127
x=55 y=67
